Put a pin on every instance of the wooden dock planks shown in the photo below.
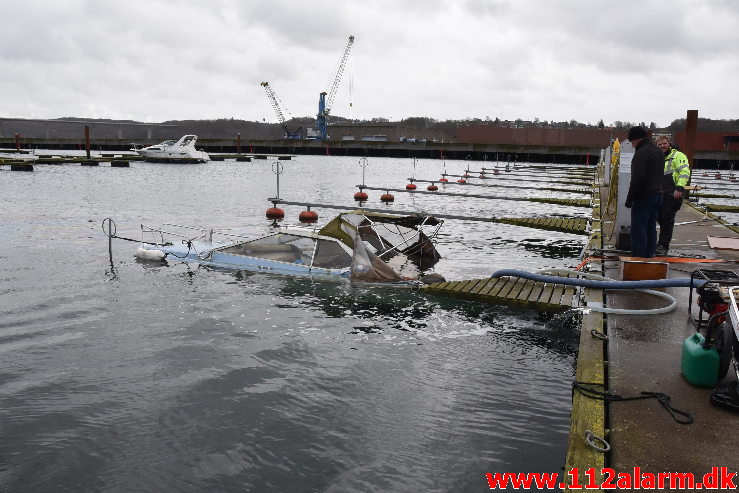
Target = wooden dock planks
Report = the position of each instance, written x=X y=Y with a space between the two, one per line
x=555 y=201
x=573 y=225
x=514 y=291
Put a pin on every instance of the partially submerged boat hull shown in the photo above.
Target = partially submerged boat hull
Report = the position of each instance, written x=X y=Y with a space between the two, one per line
x=361 y=246
x=204 y=253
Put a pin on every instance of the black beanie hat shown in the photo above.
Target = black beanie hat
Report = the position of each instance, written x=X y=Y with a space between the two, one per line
x=636 y=133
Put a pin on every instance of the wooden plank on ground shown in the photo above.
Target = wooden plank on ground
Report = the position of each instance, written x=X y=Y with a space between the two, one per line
x=454 y=285
x=506 y=288
x=479 y=286
x=556 y=294
x=491 y=285
x=506 y=291
x=526 y=290
x=536 y=291
x=567 y=294
x=463 y=285
x=516 y=289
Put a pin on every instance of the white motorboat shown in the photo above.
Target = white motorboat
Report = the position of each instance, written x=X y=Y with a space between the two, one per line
x=171 y=151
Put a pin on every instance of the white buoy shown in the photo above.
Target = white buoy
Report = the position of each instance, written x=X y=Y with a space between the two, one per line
x=145 y=254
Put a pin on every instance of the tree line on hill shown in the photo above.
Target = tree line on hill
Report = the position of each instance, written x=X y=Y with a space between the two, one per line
x=70 y=127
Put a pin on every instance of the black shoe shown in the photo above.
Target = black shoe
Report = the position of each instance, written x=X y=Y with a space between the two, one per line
x=660 y=251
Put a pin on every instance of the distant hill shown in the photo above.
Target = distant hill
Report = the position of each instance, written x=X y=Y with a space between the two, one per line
x=72 y=127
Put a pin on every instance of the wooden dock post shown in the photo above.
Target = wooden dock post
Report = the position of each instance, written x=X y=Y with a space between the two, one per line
x=87 y=141
x=691 y=128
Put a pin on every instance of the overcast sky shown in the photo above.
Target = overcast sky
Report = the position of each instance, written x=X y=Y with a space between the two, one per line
x=157 y=60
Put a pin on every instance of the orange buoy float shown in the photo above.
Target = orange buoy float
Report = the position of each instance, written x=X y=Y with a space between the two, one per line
x=461 y=180
x=495 y=171
x=275 y=213
x=432 y=188
x=387 y=198
x=411 y=186
x=308 y=216
x=718 y=176
x=482 y=175
x=466 y=175
x=361 y=196
x=443 y=179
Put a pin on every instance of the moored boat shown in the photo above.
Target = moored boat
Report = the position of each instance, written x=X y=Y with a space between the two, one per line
x=179 y=151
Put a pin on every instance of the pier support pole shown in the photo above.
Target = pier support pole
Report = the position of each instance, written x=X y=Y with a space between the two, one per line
x=87 y=141
x=691 y=128
x=17 y=142
x=238 y=143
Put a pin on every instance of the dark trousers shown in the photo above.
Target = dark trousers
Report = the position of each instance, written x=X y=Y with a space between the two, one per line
x=666 y=218
x=644 y=214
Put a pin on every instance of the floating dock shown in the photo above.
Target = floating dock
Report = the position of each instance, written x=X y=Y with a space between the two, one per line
x=509 y=291
x=115 y=162
x=548 y=200
x=562 y=224
x=721 y=208
x=498 y=185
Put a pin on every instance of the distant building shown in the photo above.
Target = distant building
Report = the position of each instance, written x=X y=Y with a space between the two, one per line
x=584 y=137
x=711 y=141
x=359 y=132
x=533 y=136
x=375 y=138
x=391 y=132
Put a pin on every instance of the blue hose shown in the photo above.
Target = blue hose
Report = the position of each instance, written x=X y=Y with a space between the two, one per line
x=591 y=283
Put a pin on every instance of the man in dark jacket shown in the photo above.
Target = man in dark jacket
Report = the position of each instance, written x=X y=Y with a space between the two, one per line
x=645 y=192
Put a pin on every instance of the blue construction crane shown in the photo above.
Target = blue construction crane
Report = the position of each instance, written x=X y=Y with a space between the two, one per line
x=280 y=116
x=324 y=102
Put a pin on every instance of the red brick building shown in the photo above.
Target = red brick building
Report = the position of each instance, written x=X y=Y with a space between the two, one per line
x=582 y=137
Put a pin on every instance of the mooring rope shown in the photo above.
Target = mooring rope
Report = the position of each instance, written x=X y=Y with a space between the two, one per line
x=684 y=418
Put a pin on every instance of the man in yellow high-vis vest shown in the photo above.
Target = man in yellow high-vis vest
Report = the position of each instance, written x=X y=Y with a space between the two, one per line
x=674 y=181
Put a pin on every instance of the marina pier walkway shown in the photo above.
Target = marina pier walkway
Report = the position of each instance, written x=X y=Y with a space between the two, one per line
x=643 y=354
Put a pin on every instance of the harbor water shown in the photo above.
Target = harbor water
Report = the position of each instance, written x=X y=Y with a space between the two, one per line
x=122 y=375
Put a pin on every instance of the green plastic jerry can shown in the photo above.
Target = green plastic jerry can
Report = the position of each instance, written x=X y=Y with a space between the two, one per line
x=698 y=364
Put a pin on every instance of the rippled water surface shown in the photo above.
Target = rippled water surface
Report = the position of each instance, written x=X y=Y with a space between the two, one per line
x=117 y=375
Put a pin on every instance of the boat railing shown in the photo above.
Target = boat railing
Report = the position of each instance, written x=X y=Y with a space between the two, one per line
x=161 y=232
x=166 y=229
x=230 y=235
